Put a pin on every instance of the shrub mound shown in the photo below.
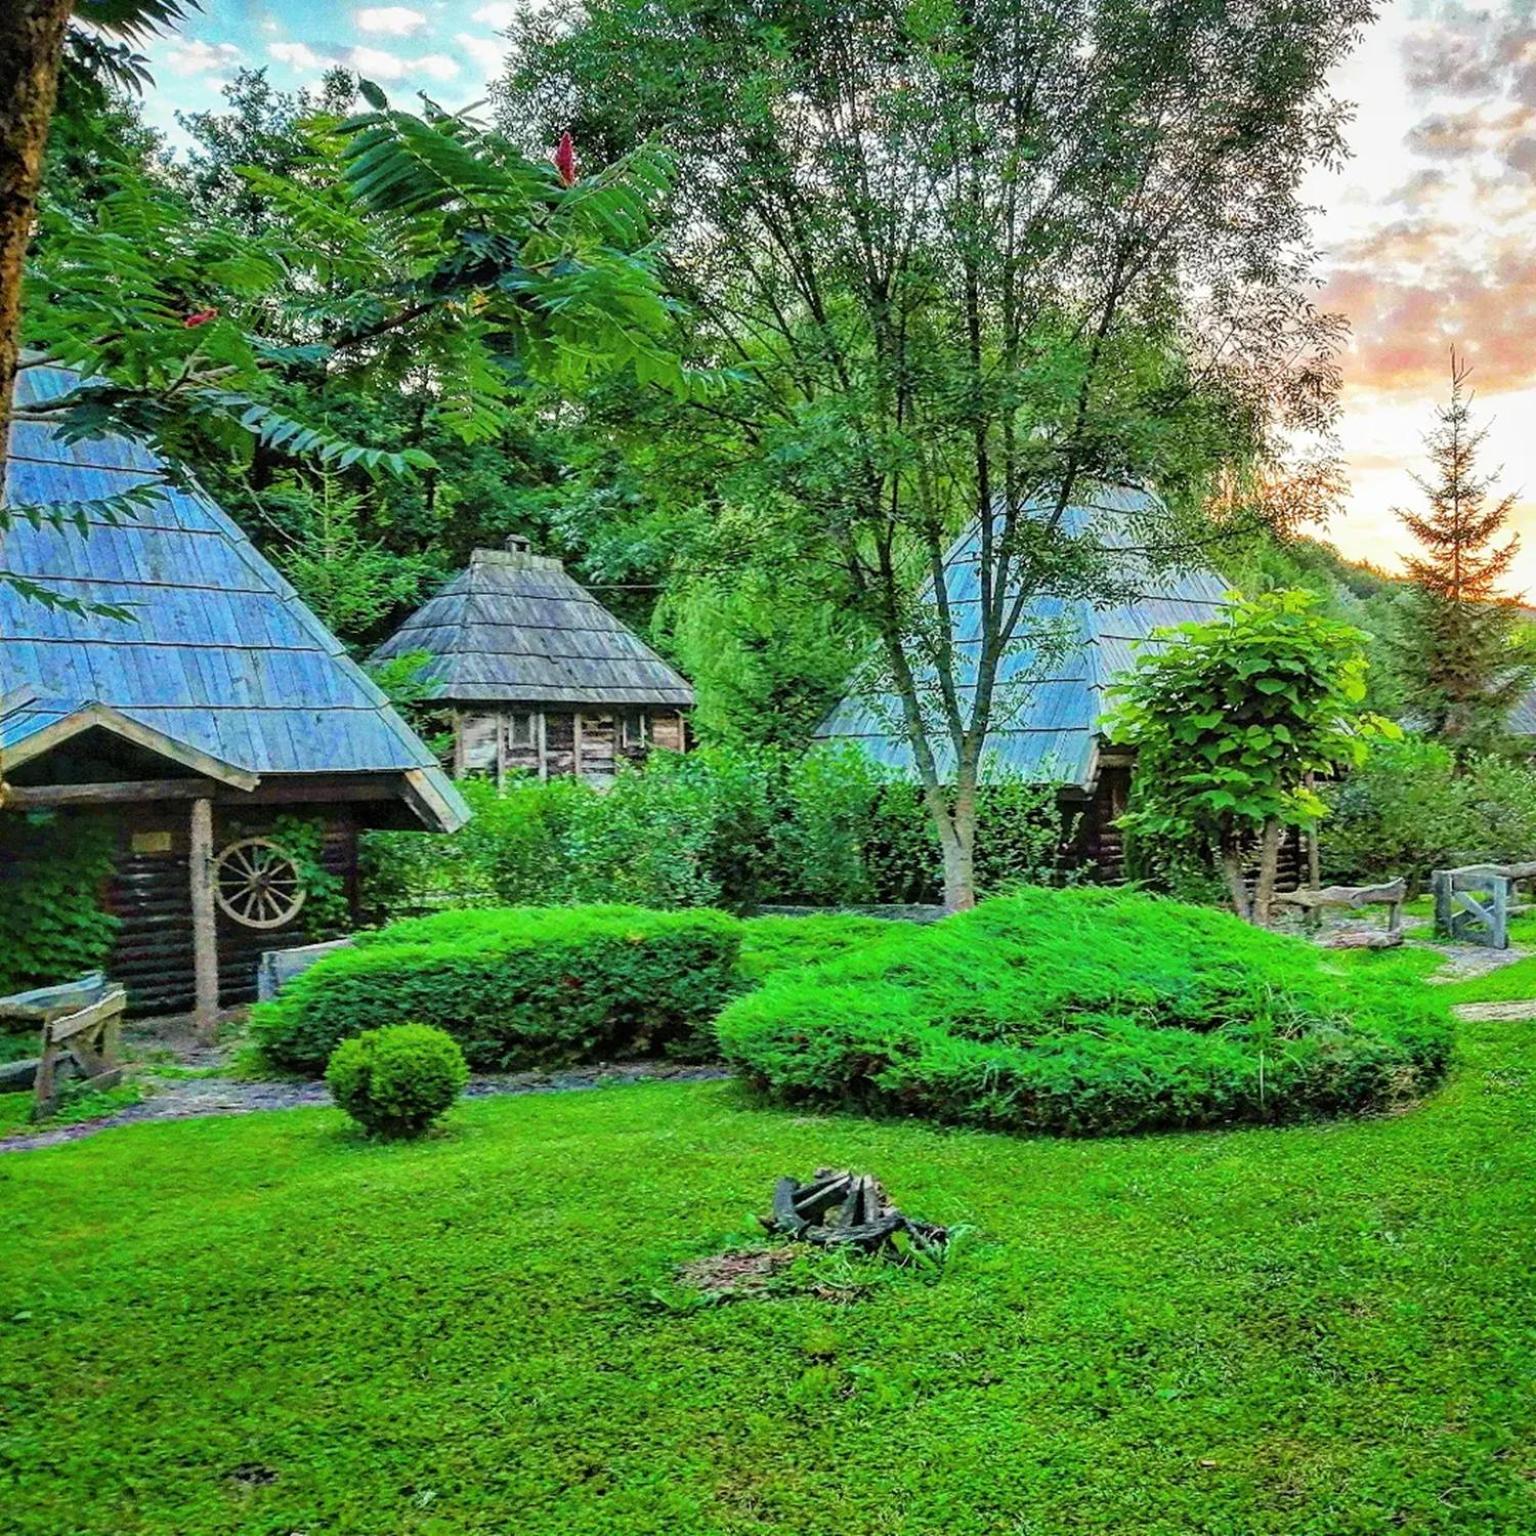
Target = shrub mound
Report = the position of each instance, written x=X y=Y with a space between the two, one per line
x=397 y=1080
x=518 y=987
x=771 y=945
x=1082 y=1012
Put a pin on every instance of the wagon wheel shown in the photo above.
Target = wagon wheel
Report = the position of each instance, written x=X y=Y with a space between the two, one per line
x=258 y=884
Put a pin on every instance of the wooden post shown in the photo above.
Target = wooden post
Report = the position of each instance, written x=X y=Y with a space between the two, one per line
x=576 y=744
x=205 y=944
x=458 y=743
x=543 y=738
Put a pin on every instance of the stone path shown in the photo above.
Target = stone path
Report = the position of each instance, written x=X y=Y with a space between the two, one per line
x=1520 y=1008
x=195 y=1098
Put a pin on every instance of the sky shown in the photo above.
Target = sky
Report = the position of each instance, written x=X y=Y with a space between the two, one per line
x=1427 y=235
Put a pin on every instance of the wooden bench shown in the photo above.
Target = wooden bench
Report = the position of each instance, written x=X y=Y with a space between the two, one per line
x=1312 y=900
x=80 y=1024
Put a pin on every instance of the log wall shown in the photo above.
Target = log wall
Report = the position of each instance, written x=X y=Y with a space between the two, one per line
x=495 y=743
x=150 y=894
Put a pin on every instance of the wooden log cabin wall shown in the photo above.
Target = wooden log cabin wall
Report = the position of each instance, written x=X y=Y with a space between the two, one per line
x=538 y=676
x=551 y=743
x=149 y=893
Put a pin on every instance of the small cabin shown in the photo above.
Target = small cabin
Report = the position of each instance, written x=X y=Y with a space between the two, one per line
x=179 y=694
x=1047 y=718
x=538 y=676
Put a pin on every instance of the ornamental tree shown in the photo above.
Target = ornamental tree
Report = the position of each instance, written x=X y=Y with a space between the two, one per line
x=1233 y=718
x=970 y=262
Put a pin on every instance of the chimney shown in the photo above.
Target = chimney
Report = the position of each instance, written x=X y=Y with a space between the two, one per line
x=517 y=544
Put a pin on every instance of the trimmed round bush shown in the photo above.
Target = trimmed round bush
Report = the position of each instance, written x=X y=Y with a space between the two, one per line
x=397 y=1080
x=1084 y=1012
x=518 y=987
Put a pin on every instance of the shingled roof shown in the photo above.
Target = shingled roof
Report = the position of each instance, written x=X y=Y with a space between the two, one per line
x=514 y=628
x=221 y=662
x=1049 y=731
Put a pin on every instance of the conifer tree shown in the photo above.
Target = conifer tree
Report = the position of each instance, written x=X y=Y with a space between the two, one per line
x=1461 y=646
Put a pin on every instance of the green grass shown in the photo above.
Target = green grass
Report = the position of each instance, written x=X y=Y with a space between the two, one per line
x=262 y=1325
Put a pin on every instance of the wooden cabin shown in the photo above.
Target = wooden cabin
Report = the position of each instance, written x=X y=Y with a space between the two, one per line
x=214 y=727
x=1047 y=727
x=539 y=677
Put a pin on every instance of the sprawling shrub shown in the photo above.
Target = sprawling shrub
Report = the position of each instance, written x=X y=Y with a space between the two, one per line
x=397 y=1080
x=731 y=826
x=1412 y=809
x=771 y=945
x=519 y=987
x=1086 y=1011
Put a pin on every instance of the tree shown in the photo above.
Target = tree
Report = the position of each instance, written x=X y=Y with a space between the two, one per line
x=1463 y=650
x=37 y=43
x=419 y=255
x=1232 y=718
x=970 y=259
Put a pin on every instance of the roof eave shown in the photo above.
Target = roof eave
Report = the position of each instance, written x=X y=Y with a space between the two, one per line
x=98 y=716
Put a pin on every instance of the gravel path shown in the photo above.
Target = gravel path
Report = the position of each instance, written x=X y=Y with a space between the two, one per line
x=195 y=1098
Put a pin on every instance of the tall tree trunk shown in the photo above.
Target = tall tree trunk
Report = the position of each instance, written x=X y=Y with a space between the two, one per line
x=957 y=839
x=1269 y=863
x=31 y=45
x=1232 y=870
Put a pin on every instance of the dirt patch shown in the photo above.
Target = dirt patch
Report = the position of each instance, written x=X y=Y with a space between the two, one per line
x=735 y=1275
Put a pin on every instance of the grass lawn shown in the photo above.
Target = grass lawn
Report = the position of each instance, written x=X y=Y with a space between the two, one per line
x=260 y=1325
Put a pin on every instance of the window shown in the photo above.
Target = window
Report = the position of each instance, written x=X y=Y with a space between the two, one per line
x=634 y=728
x=522 y=731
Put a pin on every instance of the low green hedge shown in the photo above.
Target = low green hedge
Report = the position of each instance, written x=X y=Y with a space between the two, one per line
x=518 y=987
x=1086 y=1011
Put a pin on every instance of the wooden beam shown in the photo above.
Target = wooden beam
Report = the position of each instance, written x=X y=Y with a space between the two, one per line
x=576 y=744
x=205 y=942
x=293 y=789
x=19 y=797
x=543 y=746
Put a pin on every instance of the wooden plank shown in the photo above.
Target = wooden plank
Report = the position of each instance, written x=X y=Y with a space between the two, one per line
x=1352 y=896
x=89 y=1018
x=205 y=942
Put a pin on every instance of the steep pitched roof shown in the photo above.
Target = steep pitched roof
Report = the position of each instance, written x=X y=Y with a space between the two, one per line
x=220 y=657
x=1048 y=730
x=513 y=628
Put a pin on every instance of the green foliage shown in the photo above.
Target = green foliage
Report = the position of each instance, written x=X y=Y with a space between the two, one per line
x=1412 y=809
x=1086 y=1013
x=976 y=304
x=517 y=988
x=771 y=945
x=1231 y=719
x=53 y=867
x=736 y=826
x=397 y=1080
x=1462 y=645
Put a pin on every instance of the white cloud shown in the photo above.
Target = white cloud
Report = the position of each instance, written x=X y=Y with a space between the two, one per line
x=197 y=58
x=379 y=64
x=389 y=20
x=300 y=55
x=376 y=63
x=436 y=66
x=487 y=52
x=497 y=14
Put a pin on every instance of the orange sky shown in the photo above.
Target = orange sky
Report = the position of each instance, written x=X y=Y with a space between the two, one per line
x=1429 y=239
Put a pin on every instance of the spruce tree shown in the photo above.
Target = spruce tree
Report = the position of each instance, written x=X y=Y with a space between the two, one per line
x=1461 y=646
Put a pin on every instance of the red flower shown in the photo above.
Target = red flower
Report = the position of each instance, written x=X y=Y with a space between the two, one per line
x=565 y=160
x=202 y=317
